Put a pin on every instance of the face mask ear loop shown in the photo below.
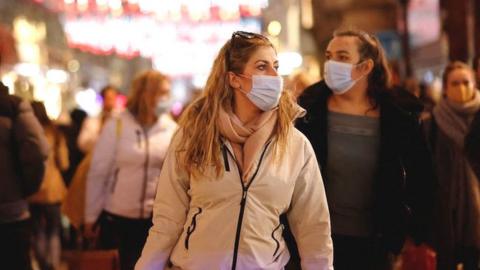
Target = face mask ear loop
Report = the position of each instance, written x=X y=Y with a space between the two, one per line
x=245 y=77
x=359 y=78
x=357 y=65
x=242 y=91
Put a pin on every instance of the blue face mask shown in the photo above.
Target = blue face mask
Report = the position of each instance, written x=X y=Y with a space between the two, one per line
x=265 y=92
x=338 y=76
x=163 y=106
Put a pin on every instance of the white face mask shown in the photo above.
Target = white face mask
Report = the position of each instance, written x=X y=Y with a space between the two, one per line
x=163 y=106
x=265 y=92
x=338 y=76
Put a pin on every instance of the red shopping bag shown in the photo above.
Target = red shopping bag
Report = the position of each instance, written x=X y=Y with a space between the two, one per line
x=92 y=259
x=420 y=257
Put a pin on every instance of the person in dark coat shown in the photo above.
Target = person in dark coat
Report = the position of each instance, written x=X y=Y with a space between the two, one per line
x=373 y=156
x=472 y=145
x=457 y=204
x=23 y=151
x=71 y=133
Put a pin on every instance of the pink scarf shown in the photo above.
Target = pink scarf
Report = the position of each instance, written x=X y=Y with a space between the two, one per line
x=247 y=139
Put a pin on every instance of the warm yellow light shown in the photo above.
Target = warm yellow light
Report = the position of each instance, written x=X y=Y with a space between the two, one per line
x=82 y=5
x=9 y=81
x=73 y=65
x=274 y=28
x=27 y=31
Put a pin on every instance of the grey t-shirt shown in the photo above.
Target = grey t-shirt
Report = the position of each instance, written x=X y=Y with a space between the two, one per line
x=353 y=147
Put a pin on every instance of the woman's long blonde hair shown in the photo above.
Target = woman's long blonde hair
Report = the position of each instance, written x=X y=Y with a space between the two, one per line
x=199 y=147
x=144 y=87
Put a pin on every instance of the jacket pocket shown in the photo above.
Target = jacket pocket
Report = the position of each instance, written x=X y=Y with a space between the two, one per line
x=115 y=180
x=277 y=242
x=192 y=227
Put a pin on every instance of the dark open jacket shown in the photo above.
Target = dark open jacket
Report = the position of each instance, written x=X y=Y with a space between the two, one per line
x=472 y=145
x=404 y=184
x=23 y=151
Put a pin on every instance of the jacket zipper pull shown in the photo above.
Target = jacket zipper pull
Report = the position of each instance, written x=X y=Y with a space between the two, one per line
x=244 y=197
x=139 y=138
x=225 y=158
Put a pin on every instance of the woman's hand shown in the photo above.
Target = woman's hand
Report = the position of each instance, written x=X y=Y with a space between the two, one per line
x=91 y=232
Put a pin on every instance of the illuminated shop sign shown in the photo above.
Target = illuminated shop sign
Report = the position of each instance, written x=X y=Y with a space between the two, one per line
x=181 y=48
x=423 y=21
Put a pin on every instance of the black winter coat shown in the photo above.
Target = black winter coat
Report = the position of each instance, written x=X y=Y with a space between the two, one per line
x=23 y=151
x=404 y=184
x=472 y=145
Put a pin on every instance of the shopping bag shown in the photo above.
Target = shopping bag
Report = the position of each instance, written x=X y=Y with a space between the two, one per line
x=420 y=257
x=92 y=259
x=73 y=205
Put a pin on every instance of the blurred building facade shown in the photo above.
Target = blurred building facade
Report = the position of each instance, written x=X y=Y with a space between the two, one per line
x=424 y=53
x=420 y=36
x=36 y=68
x=93 y=43
x=50 y=51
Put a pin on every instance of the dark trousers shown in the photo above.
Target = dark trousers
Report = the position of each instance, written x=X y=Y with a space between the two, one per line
x=448 y=257
x=469 y=257
x=46 y=229
x=128 y=234
x=356 y=253
x=15 y=245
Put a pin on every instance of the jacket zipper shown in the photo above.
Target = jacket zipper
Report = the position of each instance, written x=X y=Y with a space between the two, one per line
x=404 y=185
x=275 y=239
x=404 y=173
x=145 y=174
x=115 y=180
x=139 y=138
x=225 y=158
x=242 y=205
x=192 y=227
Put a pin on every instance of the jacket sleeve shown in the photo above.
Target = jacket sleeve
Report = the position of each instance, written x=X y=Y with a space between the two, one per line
x=169 y=214
x=88 y=134
x=32 y=146
x=99 y=172
x=309 y=217
x=63 y=161
x=472 y=145
x=420 y=183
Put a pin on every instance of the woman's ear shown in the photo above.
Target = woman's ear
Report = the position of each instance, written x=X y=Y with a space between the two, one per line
x=367 y=66
x=233 y=80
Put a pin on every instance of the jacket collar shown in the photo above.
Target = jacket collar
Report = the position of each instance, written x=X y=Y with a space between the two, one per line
x=395 y=120
x=3 y=89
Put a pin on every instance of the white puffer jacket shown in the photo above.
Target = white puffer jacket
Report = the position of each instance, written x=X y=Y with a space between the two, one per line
x=125 y=166
x=221 y=224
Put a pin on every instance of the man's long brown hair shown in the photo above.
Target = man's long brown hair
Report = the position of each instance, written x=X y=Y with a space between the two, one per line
x=369 y=47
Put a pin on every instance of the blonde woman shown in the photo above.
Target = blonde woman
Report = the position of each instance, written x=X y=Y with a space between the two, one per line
x=45 y=203
x=235 y=165
x=125 y=167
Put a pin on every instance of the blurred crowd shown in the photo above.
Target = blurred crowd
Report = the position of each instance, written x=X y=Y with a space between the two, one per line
x=399 y=160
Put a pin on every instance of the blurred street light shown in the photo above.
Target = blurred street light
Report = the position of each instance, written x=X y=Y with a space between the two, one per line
x=274 y=28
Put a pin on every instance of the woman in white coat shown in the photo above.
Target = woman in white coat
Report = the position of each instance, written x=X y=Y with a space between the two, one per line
x=236 y=164
x=126 y=163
